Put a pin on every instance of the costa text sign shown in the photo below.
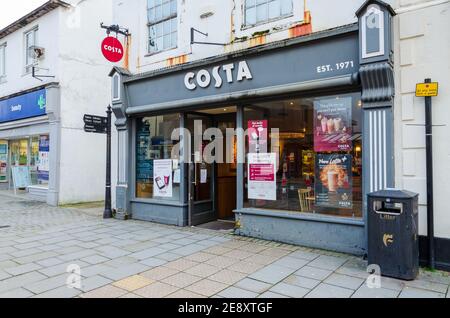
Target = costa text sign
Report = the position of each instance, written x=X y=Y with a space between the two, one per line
x=240 y=77
x=112 y=49
x=203 y=78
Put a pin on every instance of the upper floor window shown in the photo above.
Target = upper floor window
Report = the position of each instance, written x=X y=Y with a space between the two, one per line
x=162 y=24
x=2 y=61
x=30 y=43
x=261 y=11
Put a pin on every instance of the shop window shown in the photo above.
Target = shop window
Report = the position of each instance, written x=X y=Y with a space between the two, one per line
x=32 y=152
x=30 y=39
x=3 y=161
x=162 y=24
x=2 y=62
x=40 y=164
x=153 y=145
x=261 y=11
x=317 y=157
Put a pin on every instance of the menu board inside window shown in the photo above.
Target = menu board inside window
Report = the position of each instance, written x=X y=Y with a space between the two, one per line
x=144 y=163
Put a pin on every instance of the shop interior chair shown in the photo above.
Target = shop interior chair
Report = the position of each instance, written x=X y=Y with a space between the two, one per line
x=304 y=196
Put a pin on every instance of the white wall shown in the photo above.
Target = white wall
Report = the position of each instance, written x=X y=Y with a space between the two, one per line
x=85 y=89
x=224 y=26
x=71 y=38
x=423 y=50
x=16 y=79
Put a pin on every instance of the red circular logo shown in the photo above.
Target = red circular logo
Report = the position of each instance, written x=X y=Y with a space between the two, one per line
x=112 y=49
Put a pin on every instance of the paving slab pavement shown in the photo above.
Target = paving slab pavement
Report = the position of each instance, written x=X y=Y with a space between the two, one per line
x=43 y=248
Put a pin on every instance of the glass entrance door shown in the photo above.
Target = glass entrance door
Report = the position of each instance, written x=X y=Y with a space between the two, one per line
x=19 y=152
x=201 y=174
x=34 y=159
x=212 y=171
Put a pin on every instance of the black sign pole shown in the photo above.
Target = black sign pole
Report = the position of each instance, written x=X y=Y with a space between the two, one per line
x=429 y=156
x=107 y=214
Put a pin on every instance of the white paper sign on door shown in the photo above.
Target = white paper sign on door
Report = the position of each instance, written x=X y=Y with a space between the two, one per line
x=203 y=176
x=262 y=176
x=162 y=178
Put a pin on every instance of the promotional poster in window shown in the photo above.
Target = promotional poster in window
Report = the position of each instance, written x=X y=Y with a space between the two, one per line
x=257 y=136
x=333 y=124
x=44 y=162
x=333 y=186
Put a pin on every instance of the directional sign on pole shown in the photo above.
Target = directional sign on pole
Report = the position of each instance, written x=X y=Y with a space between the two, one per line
x=95 y=124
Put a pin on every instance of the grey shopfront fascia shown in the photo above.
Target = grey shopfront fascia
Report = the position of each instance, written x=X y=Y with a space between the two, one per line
x=48 y=124
x=288 y=68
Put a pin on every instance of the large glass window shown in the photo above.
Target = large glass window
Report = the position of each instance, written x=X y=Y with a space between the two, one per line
x=2 y=62
x=3 y=161
x=153 y=142
x=318 y=155
x=32 y=152
x=163 y=24
x=260 y=11
x=30 y=42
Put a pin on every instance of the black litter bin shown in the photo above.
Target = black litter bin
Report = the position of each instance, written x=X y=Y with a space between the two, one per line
x=393 y=241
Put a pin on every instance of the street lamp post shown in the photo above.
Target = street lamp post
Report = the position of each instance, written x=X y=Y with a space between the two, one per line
x=107 y=214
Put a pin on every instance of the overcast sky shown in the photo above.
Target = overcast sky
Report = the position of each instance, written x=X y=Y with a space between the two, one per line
x=11 y=10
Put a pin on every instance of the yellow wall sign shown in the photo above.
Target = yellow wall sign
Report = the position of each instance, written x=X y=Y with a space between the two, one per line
x=426 y=89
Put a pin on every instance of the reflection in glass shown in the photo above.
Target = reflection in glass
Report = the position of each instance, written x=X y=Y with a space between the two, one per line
x=153 y=142
x=319 y=168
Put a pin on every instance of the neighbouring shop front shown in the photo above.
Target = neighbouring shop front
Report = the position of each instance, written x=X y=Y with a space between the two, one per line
x=25 y=143
x=312 y=124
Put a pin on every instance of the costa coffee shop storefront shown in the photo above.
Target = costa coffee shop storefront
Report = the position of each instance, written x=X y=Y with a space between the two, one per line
x=318 y=115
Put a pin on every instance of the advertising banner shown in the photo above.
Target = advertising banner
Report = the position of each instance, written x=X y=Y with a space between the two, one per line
x=144 y=162
x=333 y=124
x=162 y=178
x=333 y=186
x=44 y=163
x=257 y=136
x=262 y=176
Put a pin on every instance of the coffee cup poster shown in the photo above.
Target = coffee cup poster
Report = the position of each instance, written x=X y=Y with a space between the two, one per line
x=162 y=178
x=333 y=186
x=333 y=124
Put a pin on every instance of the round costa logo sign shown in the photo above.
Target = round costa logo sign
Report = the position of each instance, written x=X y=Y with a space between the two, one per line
x=112 y=49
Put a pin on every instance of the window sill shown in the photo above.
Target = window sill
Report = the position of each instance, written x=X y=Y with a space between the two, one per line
x=245 y=27
x=301 y=216
x=157 y=202
x=162 y=51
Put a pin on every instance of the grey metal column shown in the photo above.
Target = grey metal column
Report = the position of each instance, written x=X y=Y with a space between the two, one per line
x=185 y=150
x=240 y=157
x=123 y=127
x=377 y=81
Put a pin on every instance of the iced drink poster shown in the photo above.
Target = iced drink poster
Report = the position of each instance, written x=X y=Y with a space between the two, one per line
x=333 y=124
x=257 y=136
x=333 y=186
x=162 y=178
